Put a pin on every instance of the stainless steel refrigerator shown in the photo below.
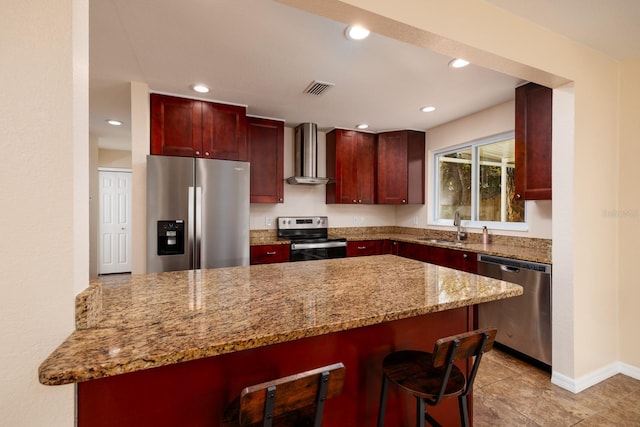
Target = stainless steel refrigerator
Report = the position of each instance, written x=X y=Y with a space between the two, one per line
x=197 y=213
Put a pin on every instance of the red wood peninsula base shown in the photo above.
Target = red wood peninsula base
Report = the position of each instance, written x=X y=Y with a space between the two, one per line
x=195 y=393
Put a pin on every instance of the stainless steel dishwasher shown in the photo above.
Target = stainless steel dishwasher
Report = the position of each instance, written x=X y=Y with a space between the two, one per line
x=523 y=322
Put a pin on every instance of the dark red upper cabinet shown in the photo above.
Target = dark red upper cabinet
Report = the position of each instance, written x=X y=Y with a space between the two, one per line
x=401 y=164
x=266 y=154
x=224 y=132
x=533 y=142
x=351 y=161
x=191 y=128
x=176 y=126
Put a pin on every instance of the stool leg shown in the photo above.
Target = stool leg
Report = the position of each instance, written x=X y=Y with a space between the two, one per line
x=420 y=410
x=383 y=401
x=464 y=412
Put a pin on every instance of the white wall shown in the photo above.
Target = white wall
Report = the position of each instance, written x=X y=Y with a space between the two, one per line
x=44 y=197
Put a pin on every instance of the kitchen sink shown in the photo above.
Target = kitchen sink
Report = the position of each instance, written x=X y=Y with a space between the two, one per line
x=441 y=241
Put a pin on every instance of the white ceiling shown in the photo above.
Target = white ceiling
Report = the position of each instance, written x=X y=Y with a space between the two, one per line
x=264 y=54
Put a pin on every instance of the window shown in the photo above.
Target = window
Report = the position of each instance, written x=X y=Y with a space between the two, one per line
x=478 y=180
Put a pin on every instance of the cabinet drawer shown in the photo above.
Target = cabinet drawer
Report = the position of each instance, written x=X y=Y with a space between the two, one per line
x=363 y=248
x=266 y=254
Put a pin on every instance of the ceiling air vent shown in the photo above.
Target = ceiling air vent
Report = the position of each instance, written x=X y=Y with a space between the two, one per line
x=318 y=88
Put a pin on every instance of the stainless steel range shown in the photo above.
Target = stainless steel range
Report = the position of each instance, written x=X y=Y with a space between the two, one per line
x=309 y=237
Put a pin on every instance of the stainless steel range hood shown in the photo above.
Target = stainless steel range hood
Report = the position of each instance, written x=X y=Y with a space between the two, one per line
x=306 y=156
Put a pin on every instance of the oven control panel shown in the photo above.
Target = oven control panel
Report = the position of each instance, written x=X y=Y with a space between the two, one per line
x=302 y=222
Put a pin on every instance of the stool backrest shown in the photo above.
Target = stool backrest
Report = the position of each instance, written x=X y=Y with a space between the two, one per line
x=468 y=344
x=304 y=393
x=460 y=347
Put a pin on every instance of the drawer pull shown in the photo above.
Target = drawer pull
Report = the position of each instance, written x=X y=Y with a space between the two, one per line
x=361 y=248
x=271 y=253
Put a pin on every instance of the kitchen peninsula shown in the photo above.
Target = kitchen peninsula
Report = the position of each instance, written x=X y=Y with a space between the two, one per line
x=175 y=348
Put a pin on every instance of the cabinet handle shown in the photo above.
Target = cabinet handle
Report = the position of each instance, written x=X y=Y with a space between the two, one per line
x=518 y=196
x=271 y=253
x=280 y=199
x=206 y=153
x=197 y=153
x=359 y=201
x=404 y=201
x=354 y=201
x=361 y=248
x=464 y=255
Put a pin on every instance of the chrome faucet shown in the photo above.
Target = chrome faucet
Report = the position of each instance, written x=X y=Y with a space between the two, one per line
x=460 y=235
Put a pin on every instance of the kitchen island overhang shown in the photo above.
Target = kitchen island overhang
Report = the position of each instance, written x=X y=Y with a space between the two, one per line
x=130 y=325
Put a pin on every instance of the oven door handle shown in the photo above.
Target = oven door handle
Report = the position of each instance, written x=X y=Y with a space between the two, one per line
x=323 y=245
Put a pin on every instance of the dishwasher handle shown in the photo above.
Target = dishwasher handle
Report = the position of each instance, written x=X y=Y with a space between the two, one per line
x=509 y=269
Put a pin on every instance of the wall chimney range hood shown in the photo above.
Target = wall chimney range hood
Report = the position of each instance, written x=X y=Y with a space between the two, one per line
x=306 y=156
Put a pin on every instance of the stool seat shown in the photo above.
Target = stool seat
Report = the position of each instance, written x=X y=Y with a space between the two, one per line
x=414 y=372
x=431 y=377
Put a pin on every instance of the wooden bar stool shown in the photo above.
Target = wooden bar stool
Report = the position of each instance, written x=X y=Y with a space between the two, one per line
x=430 y=377
x=295 y=400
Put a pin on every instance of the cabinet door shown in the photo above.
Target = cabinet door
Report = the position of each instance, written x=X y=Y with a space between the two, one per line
x=413 y=251
x=365 y=159
x=460 y=260
x=224 y=132
x=268 y=254
x=340 y=166
x=351 y=161
x=401 y=160
x=176 y=126
x=266 y=154
x=533 y=142
x=389 y=247
x=363 y=247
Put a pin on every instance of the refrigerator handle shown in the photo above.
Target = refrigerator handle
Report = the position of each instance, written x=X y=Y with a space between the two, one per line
x=190 y=230
x=198 y=228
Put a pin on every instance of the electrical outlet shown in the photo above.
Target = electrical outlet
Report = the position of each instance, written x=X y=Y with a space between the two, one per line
x=355 y=220
x=415 y=220
x=361 y=220
x=268 y=221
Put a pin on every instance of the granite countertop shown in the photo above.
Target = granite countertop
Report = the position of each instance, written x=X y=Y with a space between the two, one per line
x=144 y=321
x=523 y=248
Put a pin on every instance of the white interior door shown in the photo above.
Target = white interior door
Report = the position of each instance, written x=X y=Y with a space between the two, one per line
x=115 y=222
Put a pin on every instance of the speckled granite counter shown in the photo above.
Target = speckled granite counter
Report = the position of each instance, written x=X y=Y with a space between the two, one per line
x=130 y=324
x=524 y=248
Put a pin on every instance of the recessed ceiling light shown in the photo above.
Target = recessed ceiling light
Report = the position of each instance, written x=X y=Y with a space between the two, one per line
x=458 y=63
x=362 y=126
x=428 y=109
x=356 y=32
x=200 y=88
x=114 y=122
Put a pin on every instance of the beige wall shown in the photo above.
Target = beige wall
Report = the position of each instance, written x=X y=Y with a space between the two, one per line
x=628 y=214
x=94 y=201
x=44 y=194
x=114 y=159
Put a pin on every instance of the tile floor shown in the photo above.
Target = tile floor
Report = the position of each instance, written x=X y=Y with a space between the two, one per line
x=509 y=392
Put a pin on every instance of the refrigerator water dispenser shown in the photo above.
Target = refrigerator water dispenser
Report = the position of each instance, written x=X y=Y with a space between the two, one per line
x=171 y=237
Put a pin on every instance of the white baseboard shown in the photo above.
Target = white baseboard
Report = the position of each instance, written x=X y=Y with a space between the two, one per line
x=630 y=371
x=593 y=378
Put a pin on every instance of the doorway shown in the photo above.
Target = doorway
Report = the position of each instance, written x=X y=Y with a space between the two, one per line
x=114 y=223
